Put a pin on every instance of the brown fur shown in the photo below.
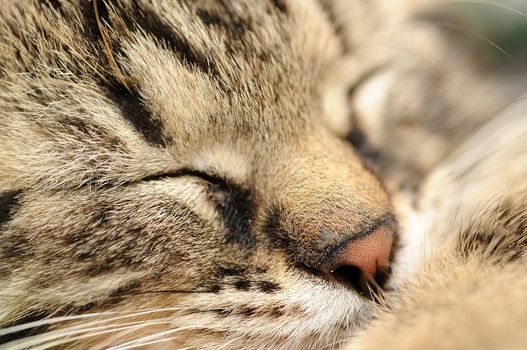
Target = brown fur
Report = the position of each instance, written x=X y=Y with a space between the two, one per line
x=466 y=288
x=203 y=184
x=173 y=173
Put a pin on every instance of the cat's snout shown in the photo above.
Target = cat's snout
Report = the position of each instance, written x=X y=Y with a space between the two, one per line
x=362 y=262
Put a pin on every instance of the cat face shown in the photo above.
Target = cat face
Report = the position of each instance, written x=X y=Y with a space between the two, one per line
x=166 y=169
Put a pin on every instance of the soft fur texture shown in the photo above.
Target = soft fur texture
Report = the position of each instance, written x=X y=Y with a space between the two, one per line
x=173 y=174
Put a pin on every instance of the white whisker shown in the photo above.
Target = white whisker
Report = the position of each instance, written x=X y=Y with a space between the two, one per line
x=151 y=342
x=493 y=3
x=39 y=341
x=140 y=341
x=54 y=320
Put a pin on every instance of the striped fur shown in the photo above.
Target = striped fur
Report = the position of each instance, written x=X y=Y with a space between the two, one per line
x=173 y=172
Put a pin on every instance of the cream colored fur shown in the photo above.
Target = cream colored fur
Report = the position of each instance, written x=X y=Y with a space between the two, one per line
x=174 y=173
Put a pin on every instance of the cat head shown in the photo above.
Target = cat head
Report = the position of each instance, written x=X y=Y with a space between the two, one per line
x=167 y=170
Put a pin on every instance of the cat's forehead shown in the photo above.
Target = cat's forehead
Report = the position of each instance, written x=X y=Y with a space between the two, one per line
x=227 y=74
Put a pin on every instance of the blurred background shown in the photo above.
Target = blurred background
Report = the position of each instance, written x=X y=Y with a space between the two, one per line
x=500 y=27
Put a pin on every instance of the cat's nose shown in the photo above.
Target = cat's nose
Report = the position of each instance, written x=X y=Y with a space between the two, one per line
x=363 y=261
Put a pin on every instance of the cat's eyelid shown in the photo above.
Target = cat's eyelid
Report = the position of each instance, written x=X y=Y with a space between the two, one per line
x=363 y=79
x=209 y=176
x=222 y=161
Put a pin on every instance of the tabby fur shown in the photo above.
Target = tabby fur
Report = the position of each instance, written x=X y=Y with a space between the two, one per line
x=174 y=173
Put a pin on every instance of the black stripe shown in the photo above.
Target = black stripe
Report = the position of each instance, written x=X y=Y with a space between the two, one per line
x=237 y=212
x=236 y=207
x=126 y=98
x=154 y=25
x=234 y=25
x=151 y=23
x=92 y=30
x=268 y=286
x=135 y=111
x=8 y=202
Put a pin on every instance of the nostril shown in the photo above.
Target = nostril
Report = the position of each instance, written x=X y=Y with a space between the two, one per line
x=353 y=277
x=362 y=263
x=350 y=275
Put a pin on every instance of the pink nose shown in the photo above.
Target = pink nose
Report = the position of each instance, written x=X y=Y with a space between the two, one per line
x=370 y=254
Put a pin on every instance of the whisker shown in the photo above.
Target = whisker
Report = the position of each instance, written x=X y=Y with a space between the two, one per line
x=377 y=293
x=332 y=344
x=55 y=320
x=483 y=38
x=152 y=342
x=41 y=343
x=140 y=341
x=493 y=3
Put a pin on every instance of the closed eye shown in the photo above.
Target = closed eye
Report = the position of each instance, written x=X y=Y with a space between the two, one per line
x=362 y=80
x=357 y=137
x=213 y=180
x=233 y=202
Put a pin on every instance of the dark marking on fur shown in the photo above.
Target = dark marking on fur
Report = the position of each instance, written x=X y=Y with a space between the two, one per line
x=235 y=26
x=224 y=312
x=92 y=30
x=280 y=6
x=211 y=18
x=236 y=207
x=97 y=268
x=242 y=285
x=8 y=202
x=247 y=311
x=101 y=216
x=135 y=111
x=153 y=24
x=357 y=137
x=128 y=99
x=267 y=286
x=370 y=156
x=276 y=311
x=55 y=4
x=231 y=271
x=15 y=246
x=274 y=217
x=275 y=231
x=81 y=126
x=233 y=202
x=338 y=28
x=215 y=288
x=502 y=239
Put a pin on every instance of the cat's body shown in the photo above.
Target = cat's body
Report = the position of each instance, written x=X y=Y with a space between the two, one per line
x=176 y=174
x=464 y=262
